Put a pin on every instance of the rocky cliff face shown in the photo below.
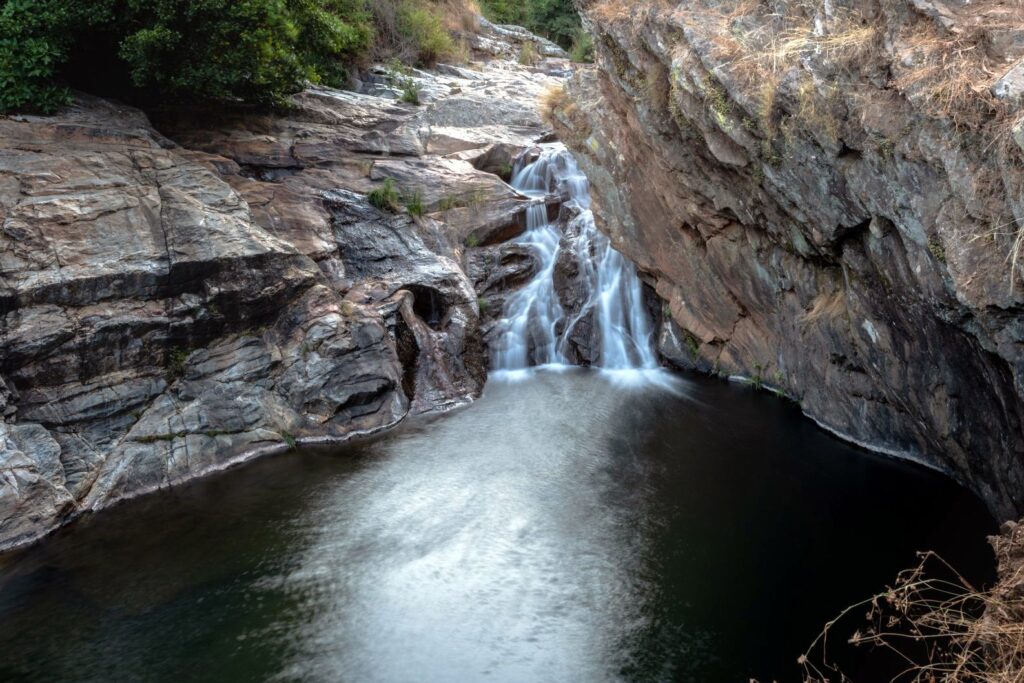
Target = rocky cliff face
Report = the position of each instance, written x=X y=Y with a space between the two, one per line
x=173 y=302
x=828 y=200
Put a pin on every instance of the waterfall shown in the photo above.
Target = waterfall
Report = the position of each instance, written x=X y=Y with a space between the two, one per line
x=536 y=328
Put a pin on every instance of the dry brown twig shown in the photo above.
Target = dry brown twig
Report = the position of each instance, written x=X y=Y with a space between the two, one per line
x=942 y=629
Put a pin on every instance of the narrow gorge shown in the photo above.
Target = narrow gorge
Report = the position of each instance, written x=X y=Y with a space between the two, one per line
x=354 y=341
x=825 y=211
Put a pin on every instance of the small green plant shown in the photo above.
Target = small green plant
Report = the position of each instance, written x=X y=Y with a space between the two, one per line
x=476 y=197
x=467 y=200
x=528 y=55
x=410 y=92
x=413 y=203
x=937 y=250
x=289 y=440
x=506 y=171
x=693 y=346
x=472 y=241
x=719 y=104
x=757 y=380
x=384 y=197
x=484 y=305
x=176 y=363
x=582 y=50
x=397 y=66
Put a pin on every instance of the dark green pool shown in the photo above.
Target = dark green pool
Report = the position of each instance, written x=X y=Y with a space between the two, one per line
x=561 y=529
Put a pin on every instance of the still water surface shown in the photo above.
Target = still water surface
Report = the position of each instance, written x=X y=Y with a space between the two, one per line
x=560 y=529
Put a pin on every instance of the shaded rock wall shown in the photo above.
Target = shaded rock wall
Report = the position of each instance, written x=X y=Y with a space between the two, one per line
x=841 y=244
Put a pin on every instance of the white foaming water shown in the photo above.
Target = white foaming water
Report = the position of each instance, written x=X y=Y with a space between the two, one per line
x=532 y=314
x=537 y=330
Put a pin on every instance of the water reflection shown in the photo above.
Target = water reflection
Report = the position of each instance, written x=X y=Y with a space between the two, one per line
x=460 y=564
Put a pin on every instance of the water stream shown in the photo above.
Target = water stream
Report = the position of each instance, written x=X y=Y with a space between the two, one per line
x=537 y=327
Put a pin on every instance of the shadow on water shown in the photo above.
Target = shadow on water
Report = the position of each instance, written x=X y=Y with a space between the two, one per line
x=563 y=528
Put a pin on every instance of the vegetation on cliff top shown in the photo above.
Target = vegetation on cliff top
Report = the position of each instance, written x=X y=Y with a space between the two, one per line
x=793 y=72
x=256 y=51
x=556 y=20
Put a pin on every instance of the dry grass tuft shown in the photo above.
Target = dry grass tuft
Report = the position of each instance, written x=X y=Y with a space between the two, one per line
x=826 y=306
x=460 y=16
x=611 y=11
x=811 y=69
x=553 y=100
x=949 y=76
x=941 y=629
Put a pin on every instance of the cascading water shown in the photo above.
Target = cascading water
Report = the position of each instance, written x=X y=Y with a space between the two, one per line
x=534 y=312
x=536 y=328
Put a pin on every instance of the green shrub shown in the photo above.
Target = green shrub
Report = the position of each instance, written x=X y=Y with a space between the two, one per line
x=410 y=92
x=424 y=27
x=239 y=50
x=176 y=363
x=556 y=20
x=507 y=11
x=528 y=55
x=413 y=203
x=582 y=50
x=384 y=197
x=36 y=37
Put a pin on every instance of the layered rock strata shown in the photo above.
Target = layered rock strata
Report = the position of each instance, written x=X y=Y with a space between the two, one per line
x=174 y=302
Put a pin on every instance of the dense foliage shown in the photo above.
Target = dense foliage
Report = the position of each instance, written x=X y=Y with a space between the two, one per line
x=556 y=20
x=255 y=51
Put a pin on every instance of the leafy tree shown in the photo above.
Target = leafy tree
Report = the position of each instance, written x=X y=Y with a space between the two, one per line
x=250 y=50
x=556 y=20
x=35 y=39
